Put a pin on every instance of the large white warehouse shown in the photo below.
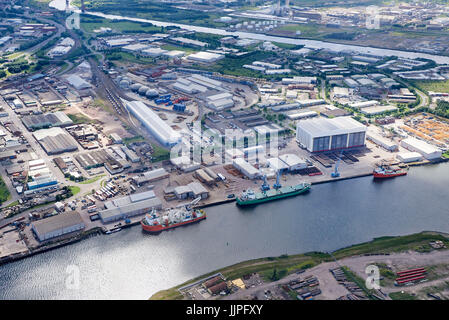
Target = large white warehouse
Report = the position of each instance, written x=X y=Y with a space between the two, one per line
x=246 y=168
x=409 y=157
x=157 y=127
x=330 y=134
x=428 y=151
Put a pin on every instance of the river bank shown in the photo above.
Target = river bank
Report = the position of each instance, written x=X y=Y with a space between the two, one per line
x=297 y=263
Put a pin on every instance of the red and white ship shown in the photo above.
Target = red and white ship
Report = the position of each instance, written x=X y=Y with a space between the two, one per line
x=383 y=172
x=156 y=222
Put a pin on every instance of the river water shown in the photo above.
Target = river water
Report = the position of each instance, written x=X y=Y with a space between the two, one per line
x=133 y=265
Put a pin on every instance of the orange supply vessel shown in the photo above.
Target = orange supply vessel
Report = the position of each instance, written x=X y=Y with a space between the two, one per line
x=383 y=172
x=156 y=221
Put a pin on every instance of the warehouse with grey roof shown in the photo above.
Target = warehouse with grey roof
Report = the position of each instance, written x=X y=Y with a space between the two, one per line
x=58 y=225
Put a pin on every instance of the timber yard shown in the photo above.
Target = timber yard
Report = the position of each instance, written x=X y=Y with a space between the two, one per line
x=112 y=125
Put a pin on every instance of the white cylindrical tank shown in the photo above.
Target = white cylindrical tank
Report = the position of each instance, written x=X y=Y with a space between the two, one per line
x=143 y=90
x=124 y=84
x=135 y=87
x=151 y=93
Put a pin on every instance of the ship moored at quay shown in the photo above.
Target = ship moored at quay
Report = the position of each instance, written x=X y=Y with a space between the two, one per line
x=156 y=222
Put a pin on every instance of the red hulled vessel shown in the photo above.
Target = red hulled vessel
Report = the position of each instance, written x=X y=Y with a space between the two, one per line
x=383 y=172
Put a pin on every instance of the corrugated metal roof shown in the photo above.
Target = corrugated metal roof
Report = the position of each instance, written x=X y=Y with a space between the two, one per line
x=60 y=221
x=325 y=127
x=129 y=209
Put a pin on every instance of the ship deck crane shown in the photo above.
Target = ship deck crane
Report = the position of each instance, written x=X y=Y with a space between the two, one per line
x=190 y=204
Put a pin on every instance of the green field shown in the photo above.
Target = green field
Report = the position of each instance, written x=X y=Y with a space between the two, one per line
x=80 y=118
x=12 y=204
x=234 y=66
x=128 y=57
x=159 y=153
x=171 y=47
x=89 y=24
x=74 y=190
x=401 y=296
x=417 y=242
x=128 y=141
x=4 y=192
x=92 y=180
x=287 y=46
x=155 y=10
x=436 y=86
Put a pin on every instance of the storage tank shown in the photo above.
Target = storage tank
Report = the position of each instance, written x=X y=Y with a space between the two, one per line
x=135 y=87
x=124 y=84
x=151 y=93
x=143 y=90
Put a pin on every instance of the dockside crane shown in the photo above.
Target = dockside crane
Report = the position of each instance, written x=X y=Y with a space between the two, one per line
x=265 y=186
x=336 y=174
x=277 y=185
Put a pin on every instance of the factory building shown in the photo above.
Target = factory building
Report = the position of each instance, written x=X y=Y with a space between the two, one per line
x=231 y=154
x=188 y=86
x=43 y=182
x=381 y=141
x=364 y=104
x=58 y=225
x=330 y=134
x=299 y=80
x=185 y=164
x=277 y=164
x=97 y=159
x=302 y=115
x=205 y=57
x=212 y=174
x=220 y=101
x=293 y=162
x=129 y=206
x=153 y=175
x=206 y=81
x=77 y=82
x=192 y=190
x=154 y=52
x=201 y=175
x=246 y=168
x=130 y=155
x=406 y=157
x=55 y=140
x=427 y=150
x=40 y=121
x=157 y=127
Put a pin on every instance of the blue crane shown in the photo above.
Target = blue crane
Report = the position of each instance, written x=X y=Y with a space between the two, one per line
x=336 y=174
x=265 y=186
x=277 y=185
